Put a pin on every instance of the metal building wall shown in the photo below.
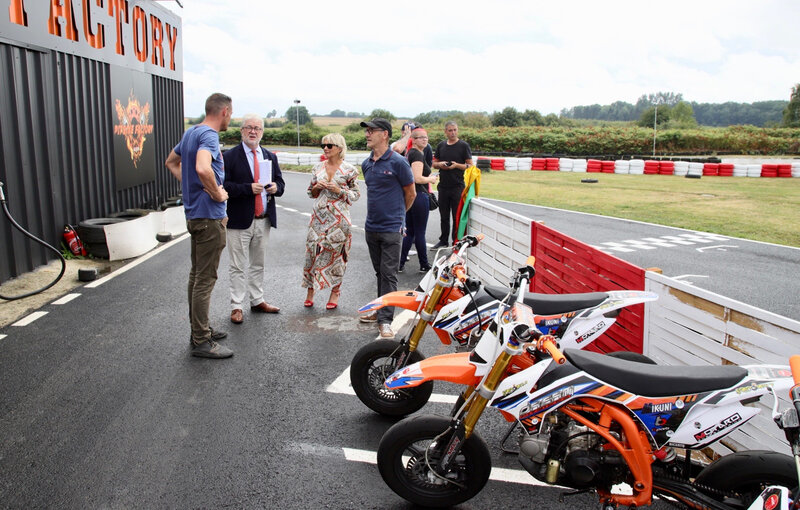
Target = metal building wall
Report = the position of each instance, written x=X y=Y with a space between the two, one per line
x=56 y=148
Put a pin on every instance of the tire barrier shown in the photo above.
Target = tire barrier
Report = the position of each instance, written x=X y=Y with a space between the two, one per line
x=681 y=168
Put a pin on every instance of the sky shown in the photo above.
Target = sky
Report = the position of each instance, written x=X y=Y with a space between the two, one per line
x=417 y=56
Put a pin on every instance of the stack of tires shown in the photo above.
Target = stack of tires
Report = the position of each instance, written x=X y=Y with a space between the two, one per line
x=725 y=170
x=483 y=164
x=538 y=164
x=511 y=164
x=784 y=170
x=769 y=170
x=754 y=170
x=93 y=236
x=695 y=170
x=579 y=165
x=607 y=167
x=739 y=170
x=565 y=164
x=497 y=164
x=594 y=166
x=622 y=166
x=666 y=167
x=551 y=164
x=651 y=167
x=524 y=163
x=636 y=167
x=710 y=169
x=681 y=168
x=796 y=169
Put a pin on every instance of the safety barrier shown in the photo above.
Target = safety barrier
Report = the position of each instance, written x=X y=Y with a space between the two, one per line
x=686 y=326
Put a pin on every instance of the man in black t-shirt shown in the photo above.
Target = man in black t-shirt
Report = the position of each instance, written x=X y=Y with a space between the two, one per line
x=451 y=158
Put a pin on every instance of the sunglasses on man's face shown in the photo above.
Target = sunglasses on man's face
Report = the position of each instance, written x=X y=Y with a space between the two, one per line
x=328 y=145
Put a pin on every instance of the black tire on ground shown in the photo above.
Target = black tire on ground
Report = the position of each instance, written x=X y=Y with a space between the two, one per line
x=370 y=367
x=692 y=176
x=589 y=181
x=411 y=478
x=91 y=230
x=99 y=250
x=745 y=474
x=87 y=274
x=163 y=237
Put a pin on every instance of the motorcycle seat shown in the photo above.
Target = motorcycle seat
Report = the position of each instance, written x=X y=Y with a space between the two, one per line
x=552 y=304
x=655 y=380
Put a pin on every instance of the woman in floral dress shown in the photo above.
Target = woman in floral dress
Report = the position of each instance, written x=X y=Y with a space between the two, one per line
x=334 y=188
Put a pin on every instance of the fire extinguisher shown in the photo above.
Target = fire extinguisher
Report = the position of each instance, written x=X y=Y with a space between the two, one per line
x=73 y=241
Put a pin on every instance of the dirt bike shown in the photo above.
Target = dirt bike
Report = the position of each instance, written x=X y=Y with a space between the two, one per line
x=588 y=422
x=776 y=497
x=458 y=309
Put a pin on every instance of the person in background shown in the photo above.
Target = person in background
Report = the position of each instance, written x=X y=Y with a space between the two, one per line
x=390 y=193
x=197 y=163
x=417 y=216
x=252 y=179
x=402 y=145
x=451 y=158
x=334 y=188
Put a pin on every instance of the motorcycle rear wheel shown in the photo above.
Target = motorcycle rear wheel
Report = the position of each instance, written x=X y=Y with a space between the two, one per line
x=745 y=474
x=370 y=367
x=402 y=464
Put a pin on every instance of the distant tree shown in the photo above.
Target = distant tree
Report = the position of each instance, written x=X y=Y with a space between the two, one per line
x=791 y=114
x=509 y=117
x=272 y=114
x=354 y=114
x=476 y=120
x=303 y=117
x=648 y=116
x=194 y=120
x=531 y=118
x=682 y=116
x=667 y=98
x=337 y=113
x=551 y=119
x=384 y=114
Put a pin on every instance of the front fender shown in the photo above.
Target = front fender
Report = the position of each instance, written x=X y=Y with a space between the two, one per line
x=455 y=368
x=408 y=299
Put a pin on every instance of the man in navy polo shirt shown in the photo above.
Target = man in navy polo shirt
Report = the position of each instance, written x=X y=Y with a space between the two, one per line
x=390 y=193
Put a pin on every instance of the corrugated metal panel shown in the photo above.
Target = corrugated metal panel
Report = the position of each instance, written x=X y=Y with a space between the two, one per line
x=56 y=148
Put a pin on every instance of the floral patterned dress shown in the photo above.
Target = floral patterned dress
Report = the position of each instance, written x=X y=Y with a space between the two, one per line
x=329 y=237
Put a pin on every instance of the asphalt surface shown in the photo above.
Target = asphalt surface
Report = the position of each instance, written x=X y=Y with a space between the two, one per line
x=103 y=407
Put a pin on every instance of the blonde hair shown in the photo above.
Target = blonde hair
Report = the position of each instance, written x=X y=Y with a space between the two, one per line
x=337 y=140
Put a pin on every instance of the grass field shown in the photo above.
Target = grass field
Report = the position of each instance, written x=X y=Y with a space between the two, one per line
x=759 y=209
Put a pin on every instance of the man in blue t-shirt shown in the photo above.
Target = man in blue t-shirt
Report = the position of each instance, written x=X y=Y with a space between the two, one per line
x=197 y=162
x=390 y=193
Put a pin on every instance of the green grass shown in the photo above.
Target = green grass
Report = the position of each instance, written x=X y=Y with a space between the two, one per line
x=759 y=209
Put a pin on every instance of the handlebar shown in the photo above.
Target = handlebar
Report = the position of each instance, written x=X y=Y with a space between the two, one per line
x=460 y=273
x=547 y=343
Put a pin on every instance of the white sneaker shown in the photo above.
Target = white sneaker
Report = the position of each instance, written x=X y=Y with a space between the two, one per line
x=386 y=331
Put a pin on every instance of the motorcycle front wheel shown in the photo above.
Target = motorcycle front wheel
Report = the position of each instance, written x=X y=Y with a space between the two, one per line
x=743 y=475
x=370 y=367
x=403 y=465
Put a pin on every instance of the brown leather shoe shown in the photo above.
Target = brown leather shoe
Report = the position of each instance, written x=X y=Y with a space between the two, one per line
x=265 y=308
x=236 y=316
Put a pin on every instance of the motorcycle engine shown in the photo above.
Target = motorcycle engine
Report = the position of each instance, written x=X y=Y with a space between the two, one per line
x=569 y=454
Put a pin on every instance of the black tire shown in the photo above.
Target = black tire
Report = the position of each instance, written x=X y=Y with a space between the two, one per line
x=589 y=181
x=163 y=237
x=743 y=475
x=370 y=367
x=129 y=214
x=411 y=480
x=91 y=230
x=87 y=274
x=99 y=250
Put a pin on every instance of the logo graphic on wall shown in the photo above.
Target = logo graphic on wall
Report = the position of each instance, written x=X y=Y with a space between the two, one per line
x=134 y=124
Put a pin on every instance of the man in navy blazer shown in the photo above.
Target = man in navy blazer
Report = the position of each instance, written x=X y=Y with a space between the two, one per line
x=251 y=213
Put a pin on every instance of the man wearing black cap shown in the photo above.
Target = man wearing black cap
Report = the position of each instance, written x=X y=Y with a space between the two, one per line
x=390 y=193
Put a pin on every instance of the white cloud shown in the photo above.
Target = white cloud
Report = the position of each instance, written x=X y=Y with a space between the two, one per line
x=411 y=58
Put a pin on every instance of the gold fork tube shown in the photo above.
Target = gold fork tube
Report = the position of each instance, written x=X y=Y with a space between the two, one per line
x=419 y=329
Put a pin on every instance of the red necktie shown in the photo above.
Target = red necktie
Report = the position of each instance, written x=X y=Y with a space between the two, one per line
x=259 y=202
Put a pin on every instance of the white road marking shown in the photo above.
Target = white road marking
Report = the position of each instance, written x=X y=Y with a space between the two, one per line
x=66 y=299
x=288 y=209
x=620 y=247
x=3 y=336
x=136 y=262
x=30 y=318
x=719 y=247
x=497 y=474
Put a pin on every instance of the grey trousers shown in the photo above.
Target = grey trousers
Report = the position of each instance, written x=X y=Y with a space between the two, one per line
x=208 y=241
x=384 y=251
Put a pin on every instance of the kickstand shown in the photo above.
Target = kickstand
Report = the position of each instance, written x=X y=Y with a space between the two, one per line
x=505 y=438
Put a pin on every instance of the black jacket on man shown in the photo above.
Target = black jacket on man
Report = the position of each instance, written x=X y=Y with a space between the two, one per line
x=238 y=180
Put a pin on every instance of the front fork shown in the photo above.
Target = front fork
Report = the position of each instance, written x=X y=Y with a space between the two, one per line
x=476 y=401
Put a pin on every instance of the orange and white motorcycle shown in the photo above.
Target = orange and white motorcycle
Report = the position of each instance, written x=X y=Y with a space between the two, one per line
x=588 y=422
x=459 y=309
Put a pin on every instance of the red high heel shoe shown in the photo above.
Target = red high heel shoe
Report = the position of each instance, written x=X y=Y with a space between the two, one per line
x=308 y=303
x=331 y=305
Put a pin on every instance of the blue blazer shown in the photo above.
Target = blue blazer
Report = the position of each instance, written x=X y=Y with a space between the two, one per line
x=238 y=178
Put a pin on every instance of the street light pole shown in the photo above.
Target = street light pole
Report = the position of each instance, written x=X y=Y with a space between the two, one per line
x=297 y=119
x=655 y=121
